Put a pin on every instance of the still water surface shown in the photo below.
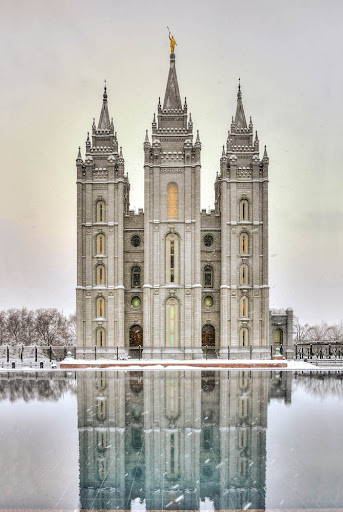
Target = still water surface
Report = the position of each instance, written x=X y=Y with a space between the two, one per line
x=171 y=440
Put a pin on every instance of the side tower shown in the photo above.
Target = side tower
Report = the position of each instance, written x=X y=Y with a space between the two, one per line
x=242 y=200
x=102 y=202
x=172 y=289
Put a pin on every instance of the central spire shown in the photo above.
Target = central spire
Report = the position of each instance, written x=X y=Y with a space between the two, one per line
x=104 y=120
x=172 y=98
x=240 y=116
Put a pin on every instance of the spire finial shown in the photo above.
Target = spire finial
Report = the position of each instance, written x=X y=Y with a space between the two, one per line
x=239 y=94
x=104 y=97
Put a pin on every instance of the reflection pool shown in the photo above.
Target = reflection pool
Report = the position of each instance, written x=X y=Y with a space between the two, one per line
x=171 y=440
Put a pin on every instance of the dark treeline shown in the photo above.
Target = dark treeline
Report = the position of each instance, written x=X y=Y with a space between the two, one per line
x=36 y=327
x=27 y=389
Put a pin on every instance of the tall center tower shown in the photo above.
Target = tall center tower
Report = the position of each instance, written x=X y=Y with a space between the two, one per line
x=172 y=289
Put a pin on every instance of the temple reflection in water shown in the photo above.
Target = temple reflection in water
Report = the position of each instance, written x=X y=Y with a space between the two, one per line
x=175 y=440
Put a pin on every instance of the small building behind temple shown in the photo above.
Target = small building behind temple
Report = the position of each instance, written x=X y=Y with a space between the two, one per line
x=281 y=331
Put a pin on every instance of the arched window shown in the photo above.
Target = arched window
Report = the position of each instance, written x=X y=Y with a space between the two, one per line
x=208 y=276
x=244 y=210
x=100 y=337
x=172 y=201
x=101 y=408
x=172 y=322
x=100 y=307
x=172 y=258
x=244 y=275
x=100 y=243
x=244 y=307
x=100 y=274
x=244 y=243
x=135 y=276
x=100 y=211
x=244 y=337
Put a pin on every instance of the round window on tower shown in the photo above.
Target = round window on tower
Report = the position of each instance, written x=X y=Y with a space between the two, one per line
x=208 y=240
x=135 y=241
x=208 y=301
x=136 y=302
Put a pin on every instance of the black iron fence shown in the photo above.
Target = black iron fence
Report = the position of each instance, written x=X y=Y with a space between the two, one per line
x=319 y=350
x=13 y=354
x=35 y=353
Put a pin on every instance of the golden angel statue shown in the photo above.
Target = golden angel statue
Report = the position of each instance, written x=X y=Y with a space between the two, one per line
x=172 y=42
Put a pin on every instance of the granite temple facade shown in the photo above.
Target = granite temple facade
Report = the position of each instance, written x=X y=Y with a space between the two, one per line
x=175 y=278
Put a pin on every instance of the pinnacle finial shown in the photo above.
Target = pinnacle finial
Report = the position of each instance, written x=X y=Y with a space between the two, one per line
x=146 y=136
x=239 y=94
x=154 y=119
x=198 y=137
x=88 y=142
x=79 y=157
x=104 y=97
x=223 y=152
x=121 y=152
x=265 y=154
x=185 y=104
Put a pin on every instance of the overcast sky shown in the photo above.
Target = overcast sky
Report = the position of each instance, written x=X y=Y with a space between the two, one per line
x=54 y=58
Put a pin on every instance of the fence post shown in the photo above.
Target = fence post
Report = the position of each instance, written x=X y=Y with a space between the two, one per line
x=117 y=350
x=250 y=350
x=296 y=351
x=95 y=352
x=22 y=353
x=228 y=351
x=271 y=351
x=50 y=353
x=8 y=353
x=36 y=354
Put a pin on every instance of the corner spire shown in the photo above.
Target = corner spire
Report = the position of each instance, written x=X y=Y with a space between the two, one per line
x=172 y=99
x=104 y=120
x=240 y=120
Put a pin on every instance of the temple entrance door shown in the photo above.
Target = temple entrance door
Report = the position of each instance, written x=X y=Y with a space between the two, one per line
x=208 y=340
x=135 y=340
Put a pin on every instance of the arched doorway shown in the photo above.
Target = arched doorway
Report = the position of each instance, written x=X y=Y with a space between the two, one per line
x=278 y=339
x=135 y=340
x=208 y=340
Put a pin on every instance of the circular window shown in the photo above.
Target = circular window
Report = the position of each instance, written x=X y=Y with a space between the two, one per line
x=135 y=241
x=136 y=302
x=208 y=240
x=208 y=301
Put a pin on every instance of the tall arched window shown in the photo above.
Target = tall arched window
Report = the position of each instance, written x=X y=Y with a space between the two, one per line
x=208 y=276
x=172 y=322
x=172 y=201
x=244 y=243
x=100 y=337
x=244 y=337
x=100 y=211
x=244 y=307
x=100 y=307
x=244 y=275
x=135 y=276
x=100 y=274
x=100 y=243
x=244 y=210
x=172 y=258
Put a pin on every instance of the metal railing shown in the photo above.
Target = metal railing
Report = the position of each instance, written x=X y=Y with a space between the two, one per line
x=319 y=350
